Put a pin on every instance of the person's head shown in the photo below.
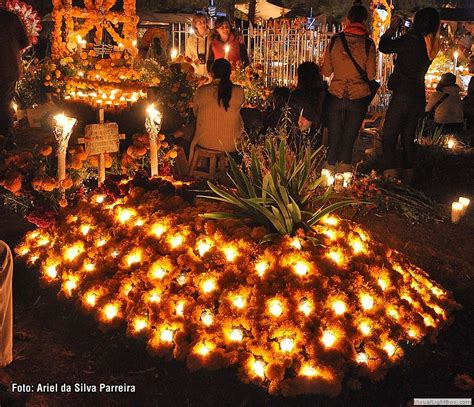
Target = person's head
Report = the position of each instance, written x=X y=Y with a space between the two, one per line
x=199 y=23
x=222 y=27
x=357 y=13
x=447 y=79
x=157 y=45
x=426 y=21
x=309 y=77
x=280 y=96
x=221 y=70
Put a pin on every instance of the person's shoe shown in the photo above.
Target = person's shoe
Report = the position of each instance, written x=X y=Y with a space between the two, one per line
x=391 y=173
x=408 y=175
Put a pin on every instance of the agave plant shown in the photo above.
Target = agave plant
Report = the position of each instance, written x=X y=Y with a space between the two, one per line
x=276 y=189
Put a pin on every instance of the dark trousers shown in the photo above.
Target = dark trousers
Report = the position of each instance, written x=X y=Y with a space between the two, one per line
x=344 y=118
x=403 y=115
x=7 y=91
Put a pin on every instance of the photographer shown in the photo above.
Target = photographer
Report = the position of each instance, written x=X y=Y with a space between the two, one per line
x=415 y=51
x=198 y=43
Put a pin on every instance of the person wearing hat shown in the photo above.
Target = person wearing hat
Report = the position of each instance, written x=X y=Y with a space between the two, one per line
x=446 y=105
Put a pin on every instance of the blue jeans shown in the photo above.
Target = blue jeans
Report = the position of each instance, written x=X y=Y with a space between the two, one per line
x=345 y=117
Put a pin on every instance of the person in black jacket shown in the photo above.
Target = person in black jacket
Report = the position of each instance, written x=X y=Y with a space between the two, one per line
x=415 y=51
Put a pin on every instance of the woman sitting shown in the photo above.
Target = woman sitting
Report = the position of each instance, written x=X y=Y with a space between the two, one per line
x=216 y=107
x=228 y=44
x=446 y=105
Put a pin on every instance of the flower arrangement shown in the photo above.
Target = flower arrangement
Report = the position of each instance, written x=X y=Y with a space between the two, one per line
x=29 y=17
x=295 y=317
x=29 y=91
x=252 y=79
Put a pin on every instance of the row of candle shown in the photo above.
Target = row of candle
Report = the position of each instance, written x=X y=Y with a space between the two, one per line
x=339 y=180
x=459 y=209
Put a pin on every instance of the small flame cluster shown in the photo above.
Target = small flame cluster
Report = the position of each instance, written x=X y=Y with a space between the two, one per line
x=296 y=317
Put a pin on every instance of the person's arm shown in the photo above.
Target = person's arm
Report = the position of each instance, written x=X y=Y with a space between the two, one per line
x=371 y=63
x=388 y=44
x=432 y=101
x=328 y=68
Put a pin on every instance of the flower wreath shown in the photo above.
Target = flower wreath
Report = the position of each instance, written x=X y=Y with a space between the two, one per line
x=29 y=17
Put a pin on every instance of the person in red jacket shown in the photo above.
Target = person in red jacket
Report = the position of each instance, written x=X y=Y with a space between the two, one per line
x=13 y=40
x=228 y=44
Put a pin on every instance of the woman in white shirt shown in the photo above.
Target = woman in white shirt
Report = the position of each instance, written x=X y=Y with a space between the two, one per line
x=198 y=43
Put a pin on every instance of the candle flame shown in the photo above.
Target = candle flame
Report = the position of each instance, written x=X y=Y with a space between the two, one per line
x=328 y=339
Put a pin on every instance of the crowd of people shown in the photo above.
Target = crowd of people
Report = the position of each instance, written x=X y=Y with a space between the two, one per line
x=350 y=68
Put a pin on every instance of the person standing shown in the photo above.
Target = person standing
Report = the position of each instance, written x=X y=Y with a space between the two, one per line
x=228 y=44
x=198 y=44
x=13 y=39
x=415 y=51
x=349 y=92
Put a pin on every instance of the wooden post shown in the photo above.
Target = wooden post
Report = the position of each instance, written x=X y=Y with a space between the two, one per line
x=101 y=168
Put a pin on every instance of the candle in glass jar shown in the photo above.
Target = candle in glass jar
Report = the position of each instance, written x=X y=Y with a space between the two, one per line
x=456 y=211
x=338 y=182
x=347 y=178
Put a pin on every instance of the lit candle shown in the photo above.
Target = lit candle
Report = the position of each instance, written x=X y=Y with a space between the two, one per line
x=226 y=51
x=173 y=54
x=456 y=56
x=465 y=203
x=347 y=178
x=62 y=132
x=153 y=126
x=456 y=211
x=338 y=182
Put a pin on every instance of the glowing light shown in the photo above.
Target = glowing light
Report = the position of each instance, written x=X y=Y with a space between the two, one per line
x=207 y=318
x=339 y=307
x=357 y=246
x=301 y=268
x=328 y=339
x=305 y=306
x=336 y=256
x=236 y=335
x=166 y=335
x=260 y=268
x=126 y=214
x=382 y=283
x=91 y=299
x=179 y=308
x=100 y=242
x=134 y=257
x=154 y=296
x=230 y=253
x=295 y=242
x=412 y=333
x=139 y=222
x=89 y=267
x=389 y=347
x=239 y=301
x=331 y=234
x=99 y=199
x=362 y=358
x=276 y=308
x=111 y=311
x=73 y=251
x=43 y=241
x=308 y=371
x=70 y=285
x=176 y=241
x=158 y=229
x=330 y=220
x=115 y=253
x=182 y=278
x=287 y=345
x=139 y=324
x=173 y=54
x=157 y=271
x=367 y=301
x=24 y=251
x=203 y=247
x=365 y=328
x=208 y=285
x=203 y=349
x=258 y=367
x=428 y=320
x=51 y=271
x=393 y=313
x=85 y=229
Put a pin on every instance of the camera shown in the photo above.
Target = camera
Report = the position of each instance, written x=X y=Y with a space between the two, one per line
x=407 y=24
x=202 y=58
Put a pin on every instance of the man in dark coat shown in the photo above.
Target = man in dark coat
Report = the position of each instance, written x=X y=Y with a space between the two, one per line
x=13 y=40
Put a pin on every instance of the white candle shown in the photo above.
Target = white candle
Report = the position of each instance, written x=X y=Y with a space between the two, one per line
x=226 y=51
x=465 y=203
x=456 y=56
x=347 y=178
x=153 y=126
x=456 y=211
x=174 y=54
x=101 y=115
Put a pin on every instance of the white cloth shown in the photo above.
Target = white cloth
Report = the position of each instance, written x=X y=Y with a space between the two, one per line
x=195 y=45
x=6 y=305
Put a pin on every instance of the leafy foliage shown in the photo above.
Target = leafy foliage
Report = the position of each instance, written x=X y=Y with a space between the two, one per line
x=276 y=188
